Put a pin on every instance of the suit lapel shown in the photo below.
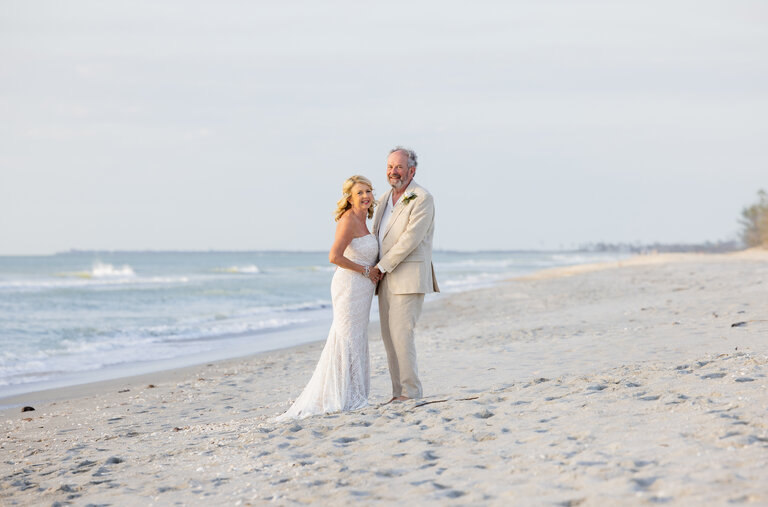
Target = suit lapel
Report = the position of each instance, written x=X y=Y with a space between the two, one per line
x=399 y=207
x=380 y=212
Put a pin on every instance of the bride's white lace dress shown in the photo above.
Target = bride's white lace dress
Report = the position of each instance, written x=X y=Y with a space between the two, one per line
x=342 y=378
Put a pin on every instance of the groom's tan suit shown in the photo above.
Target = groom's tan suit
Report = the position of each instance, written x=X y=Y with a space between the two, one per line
x=405 y=257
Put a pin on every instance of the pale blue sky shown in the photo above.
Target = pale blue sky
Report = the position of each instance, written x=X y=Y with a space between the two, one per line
x=231 y=125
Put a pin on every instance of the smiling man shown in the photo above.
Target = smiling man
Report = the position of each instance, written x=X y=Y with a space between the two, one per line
x=404 y=224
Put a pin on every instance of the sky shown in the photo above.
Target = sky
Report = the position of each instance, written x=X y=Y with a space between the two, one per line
x=231 y=125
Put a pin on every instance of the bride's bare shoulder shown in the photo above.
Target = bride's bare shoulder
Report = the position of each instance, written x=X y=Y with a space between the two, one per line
x=346 y=223
x=345 y=219
x=350 y=226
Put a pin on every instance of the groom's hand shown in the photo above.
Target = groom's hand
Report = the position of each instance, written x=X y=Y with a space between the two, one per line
x=376 y=275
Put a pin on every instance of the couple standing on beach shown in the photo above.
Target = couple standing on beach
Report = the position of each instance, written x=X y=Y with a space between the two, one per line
x=394 y=262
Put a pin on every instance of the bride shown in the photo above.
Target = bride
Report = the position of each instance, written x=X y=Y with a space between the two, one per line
x=341 y=380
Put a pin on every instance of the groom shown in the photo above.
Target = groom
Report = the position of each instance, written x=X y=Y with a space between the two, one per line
x=404 y=224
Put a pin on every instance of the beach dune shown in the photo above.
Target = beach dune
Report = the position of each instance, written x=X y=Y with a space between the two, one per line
x=627 y=383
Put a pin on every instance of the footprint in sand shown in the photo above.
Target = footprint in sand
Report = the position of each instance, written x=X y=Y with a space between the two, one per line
x=83 y=466
x=643 y=483
x=294 y=428
x=484 y=414
x=343 y=441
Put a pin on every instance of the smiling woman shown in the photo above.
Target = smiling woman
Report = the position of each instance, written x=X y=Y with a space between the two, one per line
x=352 y=210
x=342 y=378
x=354 y=188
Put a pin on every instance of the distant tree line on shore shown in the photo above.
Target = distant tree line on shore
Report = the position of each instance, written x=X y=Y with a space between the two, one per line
x=754 y=232
x=754 y=222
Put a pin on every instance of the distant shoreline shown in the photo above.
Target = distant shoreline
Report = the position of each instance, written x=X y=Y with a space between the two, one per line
x=599 y=247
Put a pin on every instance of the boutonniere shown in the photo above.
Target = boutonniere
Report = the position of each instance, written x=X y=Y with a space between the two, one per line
x=408 y=198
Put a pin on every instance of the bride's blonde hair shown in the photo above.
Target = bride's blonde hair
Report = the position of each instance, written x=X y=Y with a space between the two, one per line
x=343 y=205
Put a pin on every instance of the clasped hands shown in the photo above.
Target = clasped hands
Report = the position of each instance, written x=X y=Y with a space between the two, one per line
x=375 y=275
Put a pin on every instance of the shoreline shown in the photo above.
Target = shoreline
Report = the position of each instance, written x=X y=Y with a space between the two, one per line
x=27 y=393
x=51 y=392
x=45 y=389
x=44 y=397
x=593 y=387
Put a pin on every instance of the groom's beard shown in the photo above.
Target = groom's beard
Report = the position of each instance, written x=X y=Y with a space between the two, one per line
x=397 y=184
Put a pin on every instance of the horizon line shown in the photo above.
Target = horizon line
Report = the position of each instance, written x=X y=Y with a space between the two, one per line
x=586 y=247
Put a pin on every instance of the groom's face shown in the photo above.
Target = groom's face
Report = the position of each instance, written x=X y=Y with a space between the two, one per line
x=399 y=174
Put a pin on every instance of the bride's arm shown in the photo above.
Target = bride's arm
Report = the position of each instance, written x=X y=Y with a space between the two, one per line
x=344 y=236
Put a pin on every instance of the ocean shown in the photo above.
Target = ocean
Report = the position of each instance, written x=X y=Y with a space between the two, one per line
x=76 y=317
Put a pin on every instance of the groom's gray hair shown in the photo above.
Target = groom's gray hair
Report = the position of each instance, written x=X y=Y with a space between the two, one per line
x=412 y=160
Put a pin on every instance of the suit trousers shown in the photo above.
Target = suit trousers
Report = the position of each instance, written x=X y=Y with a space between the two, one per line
x=398 y=314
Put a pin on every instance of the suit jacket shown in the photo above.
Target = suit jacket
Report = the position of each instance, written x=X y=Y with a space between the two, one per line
x=406 y=253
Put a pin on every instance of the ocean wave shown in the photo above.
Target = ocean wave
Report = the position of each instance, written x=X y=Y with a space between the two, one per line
x=520 y=261
x=267 y=313
x=100 y=274
x=250 y=269
x=470 y=282
x=477 y=263
x=323 y=269
x=73 y=284
x=78 y=357
x=310 y=305
x=124 y=347
x=101 y=270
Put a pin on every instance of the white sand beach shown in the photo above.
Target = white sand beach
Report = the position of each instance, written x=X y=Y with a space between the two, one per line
x=627 y=383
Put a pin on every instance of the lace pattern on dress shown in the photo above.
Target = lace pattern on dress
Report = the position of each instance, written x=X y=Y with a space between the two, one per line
x=341 y=380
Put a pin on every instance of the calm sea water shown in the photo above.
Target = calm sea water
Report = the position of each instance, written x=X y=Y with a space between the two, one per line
x=74 y=317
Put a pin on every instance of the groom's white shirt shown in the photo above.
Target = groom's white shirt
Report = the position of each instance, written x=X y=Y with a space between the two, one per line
x=385 y=215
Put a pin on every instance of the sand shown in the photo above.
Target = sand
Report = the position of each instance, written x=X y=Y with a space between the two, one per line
x=629 y=383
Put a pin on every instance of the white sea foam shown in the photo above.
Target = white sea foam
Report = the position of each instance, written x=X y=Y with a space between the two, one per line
x=475 y=281
x=74 y=280
x=310 y=305
x=102 y=270
x=521 y=260
x=323 y=269
x=130 y=346
x=250 y=269
x=215 y=327
x=475 y=264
